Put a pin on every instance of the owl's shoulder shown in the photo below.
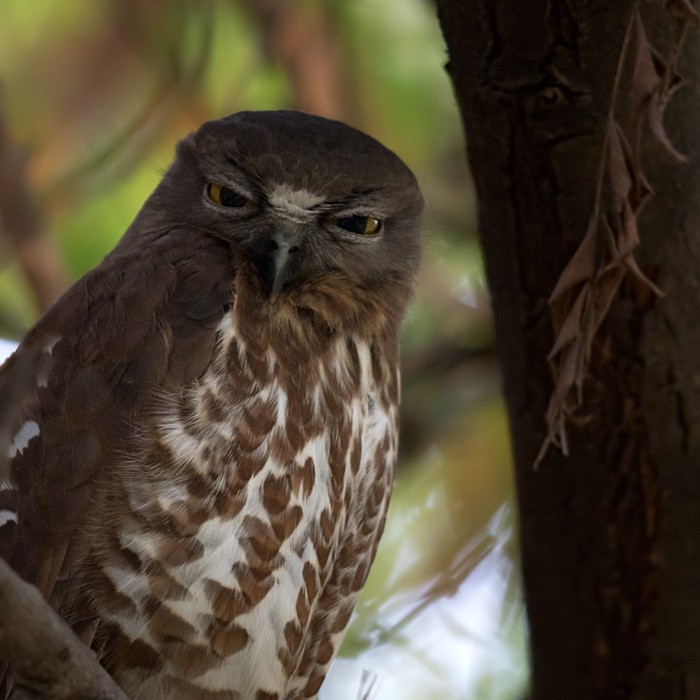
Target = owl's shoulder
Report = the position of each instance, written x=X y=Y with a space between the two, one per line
x=142 y=322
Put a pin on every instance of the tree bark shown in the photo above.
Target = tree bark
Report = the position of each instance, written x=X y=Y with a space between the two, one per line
x=610 y=535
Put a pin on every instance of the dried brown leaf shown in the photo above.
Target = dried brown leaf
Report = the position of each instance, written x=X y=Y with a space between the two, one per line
x=613 y=235
x=581 y=267
x=610 y=239
x=570 y=356
x=581 y=358
x=603 y=292
x=653 y=81
x=647 y=77
x=619 y=170
x=683 y=9
x=571 y=328
x=556 y=436
x=649 y=65
x=640 y=189
x=655 y=115
x=560 y=400
x=634 y=268
x=628 y=233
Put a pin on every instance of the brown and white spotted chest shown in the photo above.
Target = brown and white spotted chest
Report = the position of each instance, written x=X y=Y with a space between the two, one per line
x=248 y=525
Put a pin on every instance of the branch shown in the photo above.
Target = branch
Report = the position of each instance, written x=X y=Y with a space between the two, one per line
x=47 y=659
x=302 y=41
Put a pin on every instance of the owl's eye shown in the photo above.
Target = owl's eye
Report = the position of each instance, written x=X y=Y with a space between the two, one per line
x=225 y=197
x=365 y=225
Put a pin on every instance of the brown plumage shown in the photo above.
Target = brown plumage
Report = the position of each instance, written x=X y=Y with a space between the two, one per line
x=201 y=468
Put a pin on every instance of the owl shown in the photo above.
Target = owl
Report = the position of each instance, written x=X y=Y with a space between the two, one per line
x=201 y=461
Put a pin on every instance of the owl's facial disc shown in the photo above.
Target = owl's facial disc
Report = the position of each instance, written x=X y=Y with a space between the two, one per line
x=314 y=207
x=292 y=235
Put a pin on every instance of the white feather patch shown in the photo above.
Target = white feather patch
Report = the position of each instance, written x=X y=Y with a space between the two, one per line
x=294 y=204
x=7 y=516
x=42 y=377
x=28 y=431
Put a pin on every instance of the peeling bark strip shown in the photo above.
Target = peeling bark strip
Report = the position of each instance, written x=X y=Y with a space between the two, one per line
x=611 y=534
x=586 y=288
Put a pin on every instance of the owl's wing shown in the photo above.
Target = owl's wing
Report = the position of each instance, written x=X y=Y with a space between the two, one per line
x=141 y=323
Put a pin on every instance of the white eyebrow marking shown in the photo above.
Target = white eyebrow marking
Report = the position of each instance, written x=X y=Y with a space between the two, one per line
x=28 y=431
x=294 y=204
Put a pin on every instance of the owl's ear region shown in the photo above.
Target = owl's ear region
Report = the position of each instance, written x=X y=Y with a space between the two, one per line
x=227 y=197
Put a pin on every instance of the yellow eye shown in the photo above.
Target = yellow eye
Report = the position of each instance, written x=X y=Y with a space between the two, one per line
x=364 y=225
x=225 y=197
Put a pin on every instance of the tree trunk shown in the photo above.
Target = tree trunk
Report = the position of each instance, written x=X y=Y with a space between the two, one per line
x=610 y=533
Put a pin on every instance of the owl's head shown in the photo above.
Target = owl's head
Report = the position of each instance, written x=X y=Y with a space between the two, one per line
x=304 y=200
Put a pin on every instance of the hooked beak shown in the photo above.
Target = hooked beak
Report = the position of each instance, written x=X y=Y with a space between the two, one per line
x=277 y=261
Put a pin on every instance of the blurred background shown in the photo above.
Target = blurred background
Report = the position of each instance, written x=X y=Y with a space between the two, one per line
x=93 y=96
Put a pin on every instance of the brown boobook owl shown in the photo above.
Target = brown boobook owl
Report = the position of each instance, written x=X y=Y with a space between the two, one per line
x=202 y=460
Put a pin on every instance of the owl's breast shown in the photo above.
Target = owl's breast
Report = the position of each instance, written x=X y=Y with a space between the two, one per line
x=234 y=553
